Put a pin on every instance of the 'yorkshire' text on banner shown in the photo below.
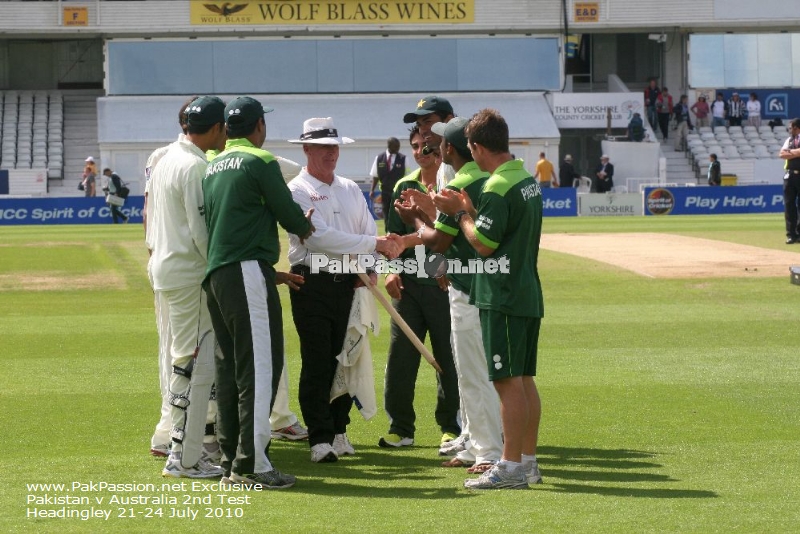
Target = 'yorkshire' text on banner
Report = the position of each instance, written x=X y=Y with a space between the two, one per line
x=591 y=110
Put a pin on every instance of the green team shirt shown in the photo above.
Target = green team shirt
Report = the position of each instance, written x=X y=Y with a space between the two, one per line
x=245 y=197
x=509 y=220
x=470 y=178
x=396 y=225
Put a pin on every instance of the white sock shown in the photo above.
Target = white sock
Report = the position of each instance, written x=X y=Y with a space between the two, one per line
x=528 y=459
x=511 y=466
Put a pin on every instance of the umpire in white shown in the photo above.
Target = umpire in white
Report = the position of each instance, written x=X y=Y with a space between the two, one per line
x=321 y=306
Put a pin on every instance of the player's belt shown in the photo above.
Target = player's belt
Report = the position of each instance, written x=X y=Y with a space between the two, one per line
x=305 y=270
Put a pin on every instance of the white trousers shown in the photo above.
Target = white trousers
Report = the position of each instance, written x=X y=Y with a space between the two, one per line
x=161 y=434
x=189 y=319
x=281 y=416
x=480 y=405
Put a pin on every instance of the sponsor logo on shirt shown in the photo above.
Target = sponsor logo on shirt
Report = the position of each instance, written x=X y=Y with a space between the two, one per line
x=483 y=222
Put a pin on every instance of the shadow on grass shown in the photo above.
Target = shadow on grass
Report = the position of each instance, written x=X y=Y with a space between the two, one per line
x=373 y=472
x=336 y=488
x=403 y=473
x=609 y=466
x=648 y=493
x=604 y=458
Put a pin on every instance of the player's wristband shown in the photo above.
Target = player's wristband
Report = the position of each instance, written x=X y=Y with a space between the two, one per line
x=458 y=216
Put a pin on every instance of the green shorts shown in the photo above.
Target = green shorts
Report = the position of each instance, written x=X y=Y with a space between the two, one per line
x=510 y=344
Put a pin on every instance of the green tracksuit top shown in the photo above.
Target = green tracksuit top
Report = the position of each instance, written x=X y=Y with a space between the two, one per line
x=245 y=199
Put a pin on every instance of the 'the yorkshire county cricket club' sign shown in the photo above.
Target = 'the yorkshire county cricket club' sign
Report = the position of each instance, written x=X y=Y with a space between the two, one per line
x=261 y=12
x=591 y=110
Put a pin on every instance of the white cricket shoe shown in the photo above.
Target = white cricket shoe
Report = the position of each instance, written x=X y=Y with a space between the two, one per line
x=342 y=445
x=202 y=469
x=323 y=453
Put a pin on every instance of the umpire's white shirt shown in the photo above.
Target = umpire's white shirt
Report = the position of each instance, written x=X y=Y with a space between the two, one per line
x=179 y=236
x=341 y=217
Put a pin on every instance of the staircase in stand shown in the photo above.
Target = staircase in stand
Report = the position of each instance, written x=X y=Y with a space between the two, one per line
x=80 y=141
x=679 y=167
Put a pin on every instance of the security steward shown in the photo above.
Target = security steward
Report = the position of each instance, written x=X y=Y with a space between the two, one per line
x=791 y=182
x=388 y=168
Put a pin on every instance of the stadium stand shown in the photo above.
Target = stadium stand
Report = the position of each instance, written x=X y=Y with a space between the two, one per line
x=96 y=60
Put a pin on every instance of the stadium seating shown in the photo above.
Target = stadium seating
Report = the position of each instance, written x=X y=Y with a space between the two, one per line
x=734 y=144
x=730 y=151
x=762 y=152
x=735 y=131
x=31 y=131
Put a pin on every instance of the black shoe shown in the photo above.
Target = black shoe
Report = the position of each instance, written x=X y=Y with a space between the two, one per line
x=790 y=240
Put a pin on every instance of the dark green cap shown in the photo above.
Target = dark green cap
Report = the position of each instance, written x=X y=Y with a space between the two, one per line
x=243 y=111
x=205 y=111
x=428 y=105
x=453 y=131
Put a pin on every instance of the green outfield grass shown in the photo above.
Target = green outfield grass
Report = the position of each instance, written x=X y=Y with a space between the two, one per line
x=668 y=405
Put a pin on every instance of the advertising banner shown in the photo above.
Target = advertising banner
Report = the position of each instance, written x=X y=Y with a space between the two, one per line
x=607 y=204
x=713 y=200
x=373 y=203
x=81 y=210
x=68 y=210
x=305 y=12
x=560 y=202
x=590 y=110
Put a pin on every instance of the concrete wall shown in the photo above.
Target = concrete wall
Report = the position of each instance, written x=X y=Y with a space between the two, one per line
x=632 y=160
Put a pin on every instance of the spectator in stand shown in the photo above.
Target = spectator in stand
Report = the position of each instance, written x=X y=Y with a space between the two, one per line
x=651 y=94
x=714 y=170
x=566 y=173
x=701 y=110
x=664 y=108
x=754 y=111
x=736 y=110
x=636 y=128
x=682 y=123
x=719 y=110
